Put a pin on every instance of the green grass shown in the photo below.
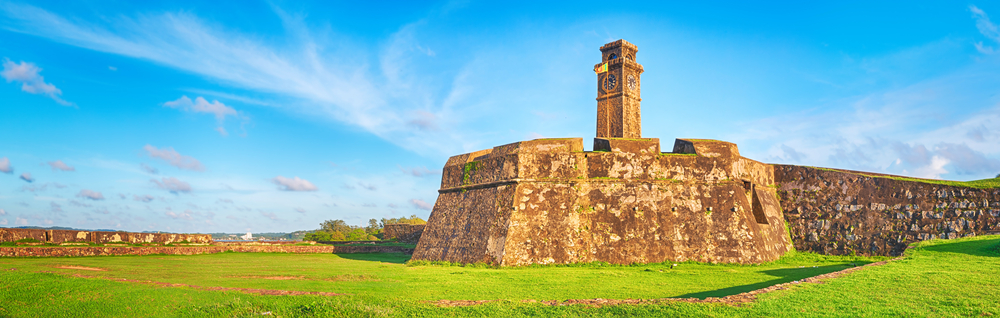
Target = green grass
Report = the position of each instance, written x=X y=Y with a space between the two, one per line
x=938 y=278
x=979 y=184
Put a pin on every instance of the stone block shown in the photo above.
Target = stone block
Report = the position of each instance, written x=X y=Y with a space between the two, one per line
x=642 y=145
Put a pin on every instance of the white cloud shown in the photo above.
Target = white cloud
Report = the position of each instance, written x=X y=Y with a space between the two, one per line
x=55 y=207
x=200 y=105
x=3 y=222
x=294 y=184
x=59 y=165
x=27 y=177
x=20 y=221
x=144 y=198
x=421 y=204
x=5 y=165
x=31 y=82
x=300 y=210
x=186 y=215
x=93 y=195
x=174 y=158
x=986 y=28
x=173 y=185
x=933 y=170
x=3 y=212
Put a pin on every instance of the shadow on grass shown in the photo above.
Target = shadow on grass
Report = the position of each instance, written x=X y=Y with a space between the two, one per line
x=784 y=275
x=395 y=258
x=976 y=246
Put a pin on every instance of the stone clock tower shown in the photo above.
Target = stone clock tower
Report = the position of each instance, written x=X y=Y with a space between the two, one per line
x=618 y=88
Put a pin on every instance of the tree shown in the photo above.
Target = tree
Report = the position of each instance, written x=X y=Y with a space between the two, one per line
x=413 y=219
x=335 y=226
x=373 y=227
x=317 y=236
x=357 y=235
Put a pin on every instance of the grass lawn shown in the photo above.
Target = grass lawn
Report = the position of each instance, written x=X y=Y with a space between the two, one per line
x=937 y=278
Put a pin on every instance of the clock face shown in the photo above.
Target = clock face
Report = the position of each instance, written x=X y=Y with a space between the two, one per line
x=631 y=82
x=610 y=82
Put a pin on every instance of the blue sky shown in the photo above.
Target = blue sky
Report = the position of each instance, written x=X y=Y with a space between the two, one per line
x=274 y=116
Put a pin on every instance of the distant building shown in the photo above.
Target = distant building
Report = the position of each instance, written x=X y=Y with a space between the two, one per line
x=247 y=237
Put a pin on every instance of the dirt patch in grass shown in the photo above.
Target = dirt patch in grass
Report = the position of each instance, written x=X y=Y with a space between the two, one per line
x=272 y=277
x=353 y=278
x=82 y=268
x=273 y=292
x=734 y=300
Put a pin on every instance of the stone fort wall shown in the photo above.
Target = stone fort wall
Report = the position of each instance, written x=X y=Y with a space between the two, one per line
x=67 y=236
x=547 y=201
x=844 y=212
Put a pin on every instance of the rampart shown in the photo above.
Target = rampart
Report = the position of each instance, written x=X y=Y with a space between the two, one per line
x=547 y=201
x=152 y=250
x=70 y=236
x=841 y=213
x=409 y=233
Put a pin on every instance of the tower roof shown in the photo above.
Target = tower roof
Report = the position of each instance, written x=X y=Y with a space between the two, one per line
x=619 y=43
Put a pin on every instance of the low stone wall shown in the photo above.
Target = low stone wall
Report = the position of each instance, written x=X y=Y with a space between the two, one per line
x=150 y=250
x=844 y=212
x=409 y=233
x=371 y=249
x=99 y=237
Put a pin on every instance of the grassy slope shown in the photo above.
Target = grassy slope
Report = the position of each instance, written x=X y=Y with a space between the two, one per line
x=979 y=184
x=938 y=278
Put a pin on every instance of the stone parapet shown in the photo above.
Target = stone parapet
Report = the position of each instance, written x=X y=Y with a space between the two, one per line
x=99 y=237
x=151 y=250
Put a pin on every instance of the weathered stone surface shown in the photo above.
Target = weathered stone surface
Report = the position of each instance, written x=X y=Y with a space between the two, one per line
x=544 y=201
x=64 y=236
x=845 y=212
x=408 y=233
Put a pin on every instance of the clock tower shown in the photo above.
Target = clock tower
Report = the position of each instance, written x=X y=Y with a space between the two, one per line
x=618 y=88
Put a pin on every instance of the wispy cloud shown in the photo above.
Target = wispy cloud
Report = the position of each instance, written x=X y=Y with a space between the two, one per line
x=31 y=81
x=144 y=198
x=421 y=204
x=294 y=184
x=174 y=158
x=315 y=71
x=27 y=177
x=59 y=165
x=173 y=185
x=986 y=28
x=148 y=169
x=418 y=171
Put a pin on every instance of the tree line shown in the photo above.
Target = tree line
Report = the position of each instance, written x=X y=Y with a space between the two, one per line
x=339 y=230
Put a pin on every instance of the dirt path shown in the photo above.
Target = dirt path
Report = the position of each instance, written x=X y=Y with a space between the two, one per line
x=735 y=300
